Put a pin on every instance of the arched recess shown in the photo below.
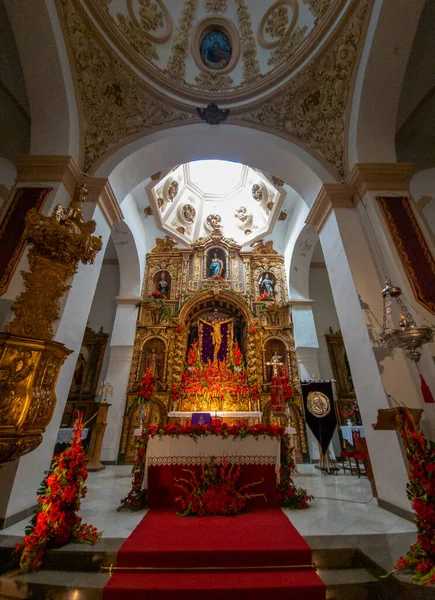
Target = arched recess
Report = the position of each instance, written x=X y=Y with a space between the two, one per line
x=229 y=300
x=299 y=273
x=48 y=78
x=130 y=272
x=372 y=122
x=128 y=165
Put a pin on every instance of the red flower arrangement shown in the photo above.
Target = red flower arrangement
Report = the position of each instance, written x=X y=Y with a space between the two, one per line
x=288 y=494
x=157 y=294
x=237 y=355
x=179 y=330
x=286 y=387
x=56 y=521
x=265 y=296
x=420 y=558
x=252 y=331
x=347 y=413
x=147 y=386
x=214 y=492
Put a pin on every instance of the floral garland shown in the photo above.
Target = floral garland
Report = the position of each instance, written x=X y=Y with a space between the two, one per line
x=147 y=387
x=287 y=389
x=56 y=521
x=214 y=492
x=266 y=296
x=288 y=494
x=420 y=558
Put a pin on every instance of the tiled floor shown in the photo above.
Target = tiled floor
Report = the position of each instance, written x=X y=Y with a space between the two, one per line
x=343 y=505
x=331 y=513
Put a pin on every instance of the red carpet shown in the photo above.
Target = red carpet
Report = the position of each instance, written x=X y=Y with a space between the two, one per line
x=261 y=538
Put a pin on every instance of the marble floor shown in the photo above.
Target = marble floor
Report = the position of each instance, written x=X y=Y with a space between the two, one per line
x=343 y=505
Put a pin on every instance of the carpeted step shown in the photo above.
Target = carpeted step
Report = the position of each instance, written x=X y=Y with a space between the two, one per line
x=255 y=539
x=231 y=585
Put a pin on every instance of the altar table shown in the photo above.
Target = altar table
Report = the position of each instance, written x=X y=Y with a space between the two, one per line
x=64 y=435
x=234 y=417
x=168 y=458
x=346 y=432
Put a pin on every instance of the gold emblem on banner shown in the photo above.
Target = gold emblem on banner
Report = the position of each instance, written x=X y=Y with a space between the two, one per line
x=318 y=404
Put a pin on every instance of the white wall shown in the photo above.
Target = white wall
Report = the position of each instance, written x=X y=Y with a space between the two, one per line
x=325 y=316
x=103 y=309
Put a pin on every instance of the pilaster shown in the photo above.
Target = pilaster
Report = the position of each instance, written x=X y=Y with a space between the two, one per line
x=330 y=197
x=64 y=170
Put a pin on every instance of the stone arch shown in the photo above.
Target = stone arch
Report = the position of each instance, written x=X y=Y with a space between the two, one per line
x=165 y=148
x=299 y=272
x=130 y=271
x=55 y=126
x=207 y=296
x=378 y=83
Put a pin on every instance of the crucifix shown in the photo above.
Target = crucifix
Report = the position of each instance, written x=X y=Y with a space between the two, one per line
x=275 y=362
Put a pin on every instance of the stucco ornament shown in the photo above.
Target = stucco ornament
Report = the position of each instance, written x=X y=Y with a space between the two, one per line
x=251 y=66
x=216 y=6
x=312 y=106
x=180 y=46
x=114 y=100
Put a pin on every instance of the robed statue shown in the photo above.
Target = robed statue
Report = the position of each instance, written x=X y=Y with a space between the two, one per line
x=216 y=266
x=163 y=285
x=267 y=285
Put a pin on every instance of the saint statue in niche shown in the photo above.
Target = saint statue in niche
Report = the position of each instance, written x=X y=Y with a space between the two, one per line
x=216 y=266
x=267 y=285
x=79 y=372
x=163 y=285
x=154 y=364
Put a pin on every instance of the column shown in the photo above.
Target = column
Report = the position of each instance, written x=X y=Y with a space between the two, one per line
x=354 y=281
x=118 y=373
x=23 y=477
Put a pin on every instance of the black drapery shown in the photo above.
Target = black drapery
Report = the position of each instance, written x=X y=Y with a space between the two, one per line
x=322 y=427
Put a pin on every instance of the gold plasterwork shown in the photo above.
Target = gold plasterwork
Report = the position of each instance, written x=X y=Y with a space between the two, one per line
x=216 y=6
x=312 y=106
x=318 y=7
x=176 y=68
x=58 y=244
x=29 y=361
x=114 y=100
x=195 y=300
x=213 y=82
x=251 y=66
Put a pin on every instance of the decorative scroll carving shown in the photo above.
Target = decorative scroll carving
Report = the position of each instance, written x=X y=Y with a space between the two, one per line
x=216 y=6
x=115 y=101
x=177 y=61
x=213 y=82
x=318 y=7
x=251 y=66
x=262 y=247
x=317 y=95
x=59 y=243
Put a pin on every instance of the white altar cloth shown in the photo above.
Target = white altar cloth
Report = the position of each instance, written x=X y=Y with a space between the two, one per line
x=346 y=432
x=168 y=451
x=64 y=436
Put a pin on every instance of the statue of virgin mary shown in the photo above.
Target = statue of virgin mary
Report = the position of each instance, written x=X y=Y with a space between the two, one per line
x=216 y=266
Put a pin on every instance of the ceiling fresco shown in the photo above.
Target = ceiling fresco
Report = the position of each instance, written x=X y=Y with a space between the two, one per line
x=284 y=66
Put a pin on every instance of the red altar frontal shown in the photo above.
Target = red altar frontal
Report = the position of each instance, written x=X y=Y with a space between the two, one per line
x=168 y=459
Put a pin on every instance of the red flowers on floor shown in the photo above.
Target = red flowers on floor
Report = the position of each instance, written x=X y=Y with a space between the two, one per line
x=420 y=558
x=56 y=522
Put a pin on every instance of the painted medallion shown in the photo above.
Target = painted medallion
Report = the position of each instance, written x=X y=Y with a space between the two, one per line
x=215 y=50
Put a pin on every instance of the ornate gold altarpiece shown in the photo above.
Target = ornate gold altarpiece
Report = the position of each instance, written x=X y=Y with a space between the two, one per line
x=166 y=326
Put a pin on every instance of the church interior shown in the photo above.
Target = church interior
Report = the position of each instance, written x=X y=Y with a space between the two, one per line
x=217 y=299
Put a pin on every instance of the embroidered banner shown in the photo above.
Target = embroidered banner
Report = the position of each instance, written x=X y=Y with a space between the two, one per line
x=416 y=257
x=12 y=239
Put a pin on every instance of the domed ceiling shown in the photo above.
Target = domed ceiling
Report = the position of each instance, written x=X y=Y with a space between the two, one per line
x=231 y=47
x=286 y=67
x=206 y=196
